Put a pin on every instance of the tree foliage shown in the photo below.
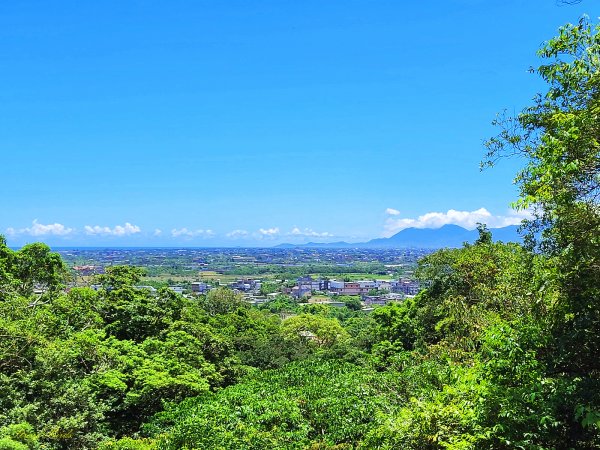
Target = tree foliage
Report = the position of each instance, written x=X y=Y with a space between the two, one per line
x=559 y=137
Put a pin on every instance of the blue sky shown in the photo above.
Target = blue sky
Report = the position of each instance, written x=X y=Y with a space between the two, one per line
x=207 y=123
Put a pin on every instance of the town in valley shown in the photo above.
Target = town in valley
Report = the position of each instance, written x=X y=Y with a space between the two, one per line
x=324 y=276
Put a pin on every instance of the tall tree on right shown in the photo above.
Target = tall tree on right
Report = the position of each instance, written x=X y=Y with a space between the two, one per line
x=559 y=138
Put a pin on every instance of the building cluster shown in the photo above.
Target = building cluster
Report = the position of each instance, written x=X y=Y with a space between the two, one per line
x=305 y=286
x=88 y=270
x=246 y=285
x=200 y=287
x=371 y=292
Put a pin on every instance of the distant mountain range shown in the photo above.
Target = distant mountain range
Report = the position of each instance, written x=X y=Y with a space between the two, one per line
x=446 y=236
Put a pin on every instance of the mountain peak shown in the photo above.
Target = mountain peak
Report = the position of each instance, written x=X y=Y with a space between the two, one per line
x=448 y=235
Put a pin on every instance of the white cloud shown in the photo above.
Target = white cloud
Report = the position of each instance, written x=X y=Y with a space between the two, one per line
x=465 y=219
x=157 y=232
x=97 y=229
x=237 y=234
x=184 y=232
x=119 y=230
x=308 y=232
x=268 y=232
x=39 y=229
x=392 y=212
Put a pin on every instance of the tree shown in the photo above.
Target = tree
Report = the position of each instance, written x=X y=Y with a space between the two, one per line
x=485 y=235
x=304 y=405
x=268 y=287
x=117 y=277
x=352 y=302
x=35 y=266
x=314 y=330
x=281 y=303
x=7 y=281
x=222 y=301
x=559 y=138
